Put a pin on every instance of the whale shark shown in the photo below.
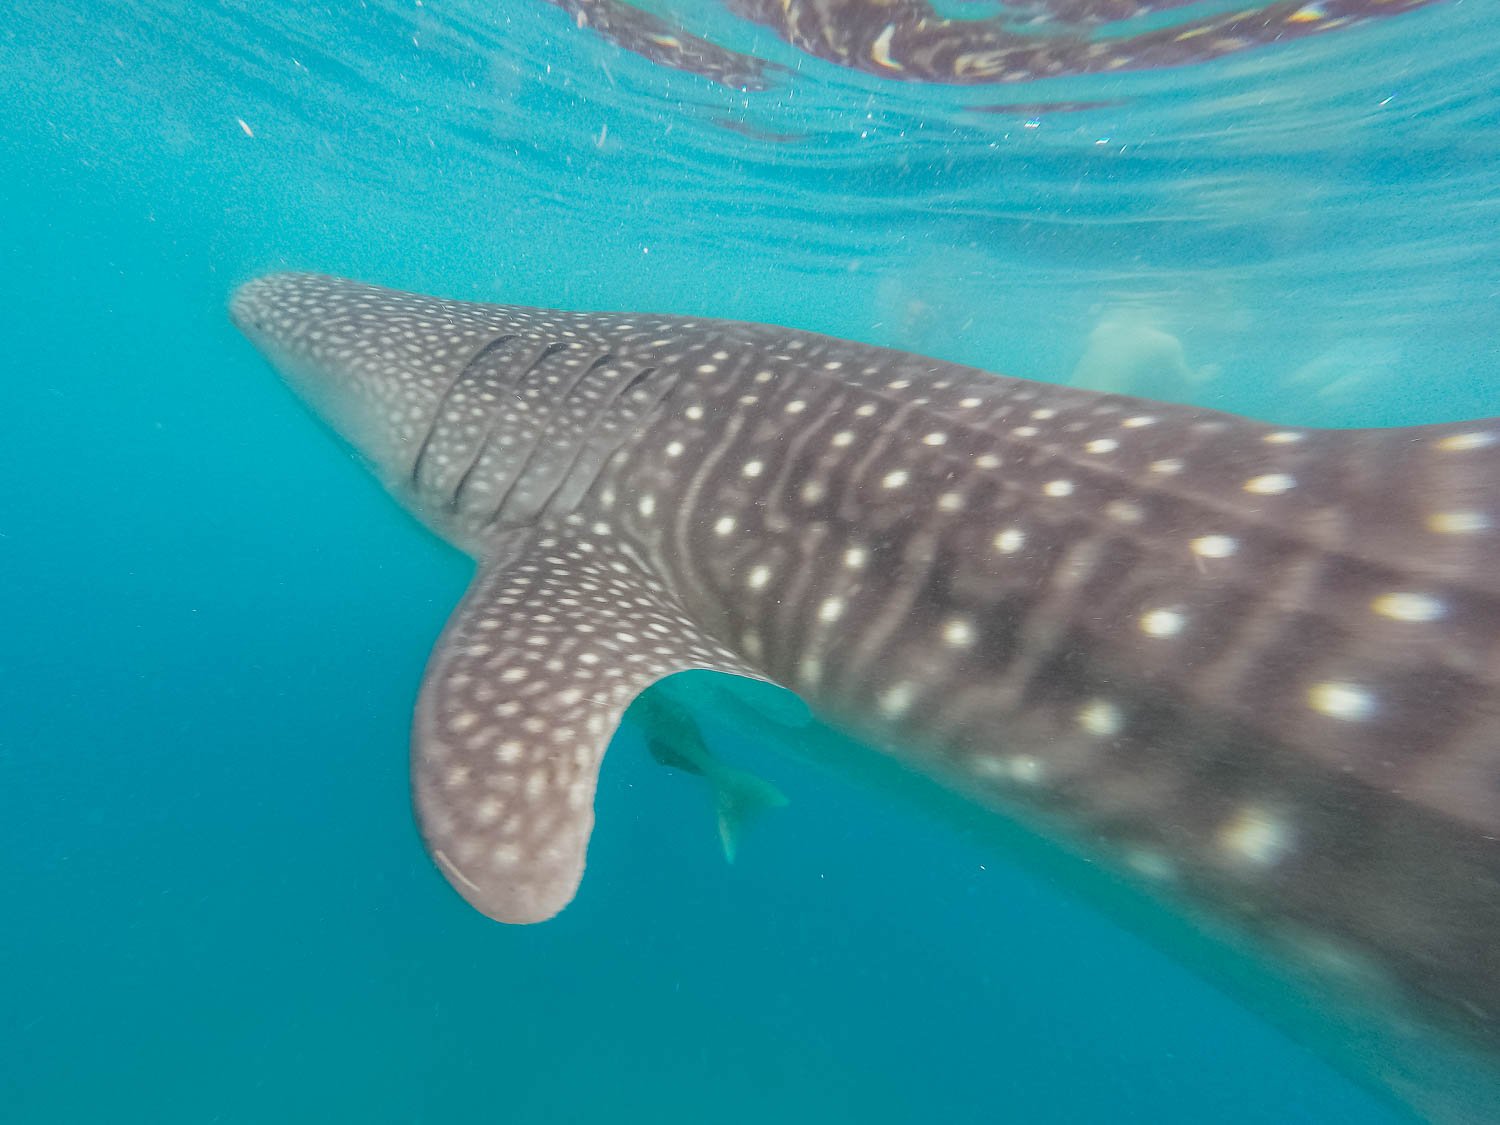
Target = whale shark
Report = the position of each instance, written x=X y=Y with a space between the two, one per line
x=1253 y=669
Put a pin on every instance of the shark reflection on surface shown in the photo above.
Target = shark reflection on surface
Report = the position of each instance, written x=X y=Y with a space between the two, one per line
x=909 y=41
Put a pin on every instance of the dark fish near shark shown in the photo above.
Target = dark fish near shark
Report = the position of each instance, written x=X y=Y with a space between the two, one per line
x=1254 y=669
x=674 y=739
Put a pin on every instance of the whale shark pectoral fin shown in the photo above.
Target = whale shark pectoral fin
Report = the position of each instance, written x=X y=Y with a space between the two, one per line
x=551 y=643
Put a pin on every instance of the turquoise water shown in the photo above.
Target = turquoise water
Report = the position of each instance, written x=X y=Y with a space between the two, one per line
x=216 y=908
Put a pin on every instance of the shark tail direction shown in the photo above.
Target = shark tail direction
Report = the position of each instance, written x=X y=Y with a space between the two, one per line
x=739 y=799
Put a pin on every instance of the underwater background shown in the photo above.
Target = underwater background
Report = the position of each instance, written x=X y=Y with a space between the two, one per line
x=213 y=903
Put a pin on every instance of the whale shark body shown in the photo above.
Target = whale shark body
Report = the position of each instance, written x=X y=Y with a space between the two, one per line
x=1253 y=669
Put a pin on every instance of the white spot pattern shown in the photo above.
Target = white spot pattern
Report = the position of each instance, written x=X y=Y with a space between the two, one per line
x=527 y=686
x=1214 y=546
x=1340 y=699
x=1162 y=622
x=1408 y=606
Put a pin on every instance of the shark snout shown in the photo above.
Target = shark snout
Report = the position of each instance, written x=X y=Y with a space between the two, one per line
x=358 y=355
x=260 y=308
x=244 y=308
x=289 y=317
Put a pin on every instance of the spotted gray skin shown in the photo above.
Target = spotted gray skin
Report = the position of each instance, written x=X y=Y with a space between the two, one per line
x=1255 y=666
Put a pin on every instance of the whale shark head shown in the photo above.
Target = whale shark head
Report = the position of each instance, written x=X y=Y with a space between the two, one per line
x=375 y=378
x=479 y=418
